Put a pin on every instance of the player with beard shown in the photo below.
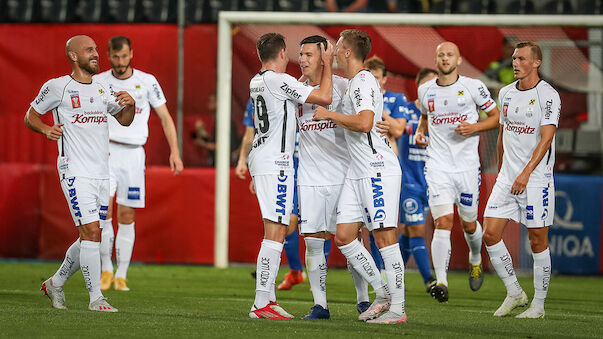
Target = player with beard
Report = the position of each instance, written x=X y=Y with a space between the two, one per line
x=80 y=108
x=127 y=160
x=448 y=106
x=275 y=96
x=524 y=189
x=371 y=190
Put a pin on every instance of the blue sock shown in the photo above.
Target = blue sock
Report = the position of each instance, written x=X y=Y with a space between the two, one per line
x=404 y=248
x=327 y=249
x=292 y=251
x=419 y=251
x=376 y=254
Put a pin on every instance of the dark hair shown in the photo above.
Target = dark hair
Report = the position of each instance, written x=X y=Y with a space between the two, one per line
x=117 y=42
x=358 y=41
x=423 y=73
x=314 y=39
x=534 y=48
x=375 y=63
x=269 y=45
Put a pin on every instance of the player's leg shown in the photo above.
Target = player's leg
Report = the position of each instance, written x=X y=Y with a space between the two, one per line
x=375 y=252
x=108 y=235
x=53 y=286
x=467 y=204
x=124 y=245
x=403 y=242
x=416 y=240
x=291 y=247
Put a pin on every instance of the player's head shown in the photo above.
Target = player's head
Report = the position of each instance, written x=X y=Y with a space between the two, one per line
x=527 y=58
x=377 y=67
x=424 y=75
x=120 y=53
x=448 y=57
x=309 y=54
x=271 y=47
x=352 y=43
x=82 y=53
x=509 y=42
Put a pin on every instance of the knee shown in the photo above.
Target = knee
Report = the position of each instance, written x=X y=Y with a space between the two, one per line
x=341 y=240
x=490 y=238
x=538 y=243
x=469 y=227
x=444 y=222
x=126 y=215
x=416 y=231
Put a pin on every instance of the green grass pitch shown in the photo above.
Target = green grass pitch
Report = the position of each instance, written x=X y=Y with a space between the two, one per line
x=199 y=301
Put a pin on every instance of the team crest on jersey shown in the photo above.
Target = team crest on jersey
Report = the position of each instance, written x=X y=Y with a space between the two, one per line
x=75 y=101
x=91 y=99
x=505 y=108
x=431 y=105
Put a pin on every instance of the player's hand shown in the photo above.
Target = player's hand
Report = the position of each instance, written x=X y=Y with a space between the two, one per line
x=251 y=187
x=465 y=128
x=241 y=169
x=383 y=127
x=54 y=132
x=124 y=98
x=176 y=164
x=321 y=113
x=327 y=55
x=520 y=183
x=421 y=140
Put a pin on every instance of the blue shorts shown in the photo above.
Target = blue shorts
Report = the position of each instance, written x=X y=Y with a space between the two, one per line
x=413 y=206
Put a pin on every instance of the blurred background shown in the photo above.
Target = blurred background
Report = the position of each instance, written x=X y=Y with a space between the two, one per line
x=178 y=224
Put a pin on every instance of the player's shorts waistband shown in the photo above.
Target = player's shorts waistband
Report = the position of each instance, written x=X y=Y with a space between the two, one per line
x=124 y=144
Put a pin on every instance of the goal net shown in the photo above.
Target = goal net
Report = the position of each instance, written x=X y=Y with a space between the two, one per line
x=407 y=42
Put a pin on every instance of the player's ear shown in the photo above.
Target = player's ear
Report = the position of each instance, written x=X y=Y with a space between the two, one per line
x=537 y=63
x=460 y=61
x=72 y=56
x=131 y=53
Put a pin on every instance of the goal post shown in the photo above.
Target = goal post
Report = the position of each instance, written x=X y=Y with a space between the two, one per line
x=226 y=20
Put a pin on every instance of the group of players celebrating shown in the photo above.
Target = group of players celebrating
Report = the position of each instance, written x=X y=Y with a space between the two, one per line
x=350 y=177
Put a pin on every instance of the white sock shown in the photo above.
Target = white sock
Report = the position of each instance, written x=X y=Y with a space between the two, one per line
x=124 y=244
x=394 y=270
x=360 y=284
x=70 y=265
x=90 y=265
x=316 y=267
x=273 y=285
x=503 y=264
x=106 y=245
x=440 y=254
x=363 y=263
x=542 y=276
x=474 y=241
x=266 y=271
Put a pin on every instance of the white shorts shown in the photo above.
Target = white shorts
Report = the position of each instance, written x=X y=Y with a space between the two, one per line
x=534 y=208
x=462 y=189
x=374 y=201
x=318 y=208
x=126 y=169
x=87 y=198
x=275 y=196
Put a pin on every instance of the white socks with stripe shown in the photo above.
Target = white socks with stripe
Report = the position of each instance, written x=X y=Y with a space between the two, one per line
x=266 y=271
x=124 y=244
x=90 y=266
x=440 y=254
x=503 y=264
x=70 y=265
x=316 y=267
x=474 y=241
x=106 y=245
x=362 y=261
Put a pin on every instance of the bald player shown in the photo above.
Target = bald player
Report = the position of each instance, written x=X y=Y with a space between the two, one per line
x=80 y=108
x=450 y=106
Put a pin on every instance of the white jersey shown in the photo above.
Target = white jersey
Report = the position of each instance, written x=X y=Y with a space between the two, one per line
x=83 y=109
x=370 y=153
x=274 y=97
x=446 y=107
x=145 y=89
x=323 y=154
x=523 y=112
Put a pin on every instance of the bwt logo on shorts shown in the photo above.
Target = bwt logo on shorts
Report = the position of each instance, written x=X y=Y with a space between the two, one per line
x=102 y=213
x=466 y=199
x=545 y=203
x=133 y=193
x=530 y=212
x=281 y=197
x=73 y=198
x=378 y=200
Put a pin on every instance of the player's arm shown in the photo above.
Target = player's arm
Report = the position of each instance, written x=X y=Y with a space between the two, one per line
x=324 y=95
x=422 y=130
x=35 y=123
x=547 y=133
x=241 y=168
x=499 y=147
x=171 y=136
x=361 y=122
x=126 y=114
x=465 y=128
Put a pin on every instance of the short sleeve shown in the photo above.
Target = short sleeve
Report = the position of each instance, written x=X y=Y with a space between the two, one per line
x=420 y=94
x=49 y=97
x=550 y=104
x=248 y=118
x=155 y=93
x=504 y=105
x=284 y=86
x=481 y=96
x=363 y=92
